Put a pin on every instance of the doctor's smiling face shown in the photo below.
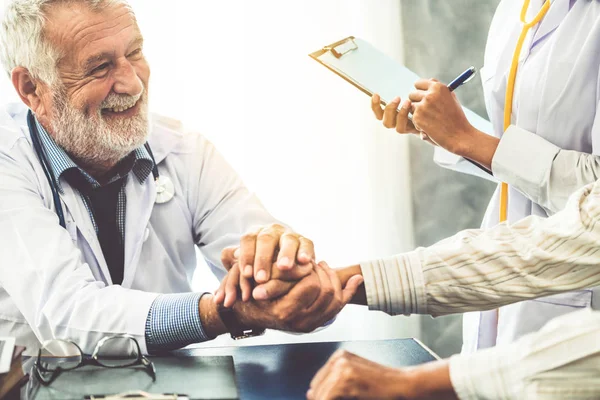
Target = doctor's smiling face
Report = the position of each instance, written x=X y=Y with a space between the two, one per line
x=97 y=108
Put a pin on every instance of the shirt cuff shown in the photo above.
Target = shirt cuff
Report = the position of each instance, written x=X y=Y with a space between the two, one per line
x=524 y=159
x=395 y=285
x=451 y=161
x=174 y=322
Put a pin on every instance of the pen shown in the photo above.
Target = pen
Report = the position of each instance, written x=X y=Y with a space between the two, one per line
x=462 y=79
x=455 y=84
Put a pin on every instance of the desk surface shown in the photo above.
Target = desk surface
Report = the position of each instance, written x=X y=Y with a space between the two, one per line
x=285 y=371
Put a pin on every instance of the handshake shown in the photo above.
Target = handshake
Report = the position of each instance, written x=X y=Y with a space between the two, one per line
x=274 y=282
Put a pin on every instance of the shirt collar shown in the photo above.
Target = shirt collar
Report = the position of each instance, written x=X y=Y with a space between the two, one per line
x=140 y=162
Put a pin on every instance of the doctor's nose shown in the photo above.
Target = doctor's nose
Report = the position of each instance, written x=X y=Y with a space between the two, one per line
x=127 y=81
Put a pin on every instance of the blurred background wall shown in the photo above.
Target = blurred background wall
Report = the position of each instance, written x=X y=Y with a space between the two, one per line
x=441 y=39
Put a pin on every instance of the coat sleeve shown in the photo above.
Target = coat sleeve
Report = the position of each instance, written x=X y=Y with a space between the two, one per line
x=223 y=209
x=561 y=361
x=552 y=175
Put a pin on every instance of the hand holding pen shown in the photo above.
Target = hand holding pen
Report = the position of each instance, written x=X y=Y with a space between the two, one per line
x=460 y=80
x=436 y=113
x=397 y=115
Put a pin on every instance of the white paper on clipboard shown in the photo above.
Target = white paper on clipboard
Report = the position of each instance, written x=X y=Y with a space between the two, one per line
x=372 y=71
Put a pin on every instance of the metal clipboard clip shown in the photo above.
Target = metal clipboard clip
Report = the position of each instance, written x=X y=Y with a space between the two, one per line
x=338 y=49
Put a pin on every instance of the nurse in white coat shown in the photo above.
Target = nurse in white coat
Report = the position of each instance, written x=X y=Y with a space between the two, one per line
x=550 y=148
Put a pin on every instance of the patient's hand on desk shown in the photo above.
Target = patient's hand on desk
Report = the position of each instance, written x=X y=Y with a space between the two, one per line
x=299 y=306
x=348 y=376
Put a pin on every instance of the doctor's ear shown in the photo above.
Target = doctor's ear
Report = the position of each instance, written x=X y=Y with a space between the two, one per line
x=30 y=90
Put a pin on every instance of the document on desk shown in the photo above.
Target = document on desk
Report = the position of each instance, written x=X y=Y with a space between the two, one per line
x=371 y=71
x=197 y=377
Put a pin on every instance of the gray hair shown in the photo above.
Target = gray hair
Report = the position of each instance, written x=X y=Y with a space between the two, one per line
x=22 y=39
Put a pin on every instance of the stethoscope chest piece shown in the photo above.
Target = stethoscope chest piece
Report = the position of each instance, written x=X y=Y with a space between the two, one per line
x=165 y=190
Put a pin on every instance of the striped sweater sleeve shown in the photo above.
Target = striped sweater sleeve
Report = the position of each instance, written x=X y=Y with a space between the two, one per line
x=560 y=361
x=485 y=269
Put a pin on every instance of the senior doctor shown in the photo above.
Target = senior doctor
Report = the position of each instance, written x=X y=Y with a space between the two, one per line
x=102 y=206
x=541 y=82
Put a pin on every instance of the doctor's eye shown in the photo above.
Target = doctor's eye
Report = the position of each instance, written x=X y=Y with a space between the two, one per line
x=101 y=68
x=137 y=52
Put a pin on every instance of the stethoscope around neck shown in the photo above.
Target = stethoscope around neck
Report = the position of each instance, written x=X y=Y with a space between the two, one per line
x=164 y=186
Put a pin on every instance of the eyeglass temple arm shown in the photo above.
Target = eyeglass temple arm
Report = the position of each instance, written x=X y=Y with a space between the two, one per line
x=150 y=367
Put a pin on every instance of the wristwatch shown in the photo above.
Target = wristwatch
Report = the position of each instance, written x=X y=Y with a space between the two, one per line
x=236 y=330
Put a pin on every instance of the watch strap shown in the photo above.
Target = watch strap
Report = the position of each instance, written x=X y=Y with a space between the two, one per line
x=236 y=330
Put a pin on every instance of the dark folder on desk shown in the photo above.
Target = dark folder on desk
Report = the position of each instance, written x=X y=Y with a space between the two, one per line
x=196 y=377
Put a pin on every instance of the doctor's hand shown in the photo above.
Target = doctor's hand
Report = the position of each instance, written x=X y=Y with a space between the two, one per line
x=396 y=118
x=438 y=113
x=307 y=304
x=236 y=286
x=348 y=376
x=264 y=251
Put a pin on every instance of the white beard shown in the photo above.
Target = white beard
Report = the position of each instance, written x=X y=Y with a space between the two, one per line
x=93 y=139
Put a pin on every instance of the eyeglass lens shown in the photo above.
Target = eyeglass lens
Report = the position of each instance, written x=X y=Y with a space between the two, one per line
x=59 y=354
x=118 y=352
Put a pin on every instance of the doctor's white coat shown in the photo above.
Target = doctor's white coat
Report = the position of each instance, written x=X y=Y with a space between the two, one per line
x=54 y=282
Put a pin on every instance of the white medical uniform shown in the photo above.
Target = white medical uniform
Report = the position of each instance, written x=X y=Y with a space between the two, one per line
x=54 y=282
x=556 y=98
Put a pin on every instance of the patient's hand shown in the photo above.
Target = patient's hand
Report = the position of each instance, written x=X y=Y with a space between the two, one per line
x=309 y=304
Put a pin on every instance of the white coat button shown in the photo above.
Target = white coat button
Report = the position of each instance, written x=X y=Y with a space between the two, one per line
x=146 y=234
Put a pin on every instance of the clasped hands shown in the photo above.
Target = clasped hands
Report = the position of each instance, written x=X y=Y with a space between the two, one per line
x=273 y=281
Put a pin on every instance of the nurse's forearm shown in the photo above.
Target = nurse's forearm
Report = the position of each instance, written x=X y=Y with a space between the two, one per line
x=479 y=147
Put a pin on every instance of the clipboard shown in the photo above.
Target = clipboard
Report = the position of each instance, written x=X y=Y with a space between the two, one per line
x=367 y=68
x=371 y=71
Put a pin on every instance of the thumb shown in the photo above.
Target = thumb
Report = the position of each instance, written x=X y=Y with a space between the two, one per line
x=351 y=287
